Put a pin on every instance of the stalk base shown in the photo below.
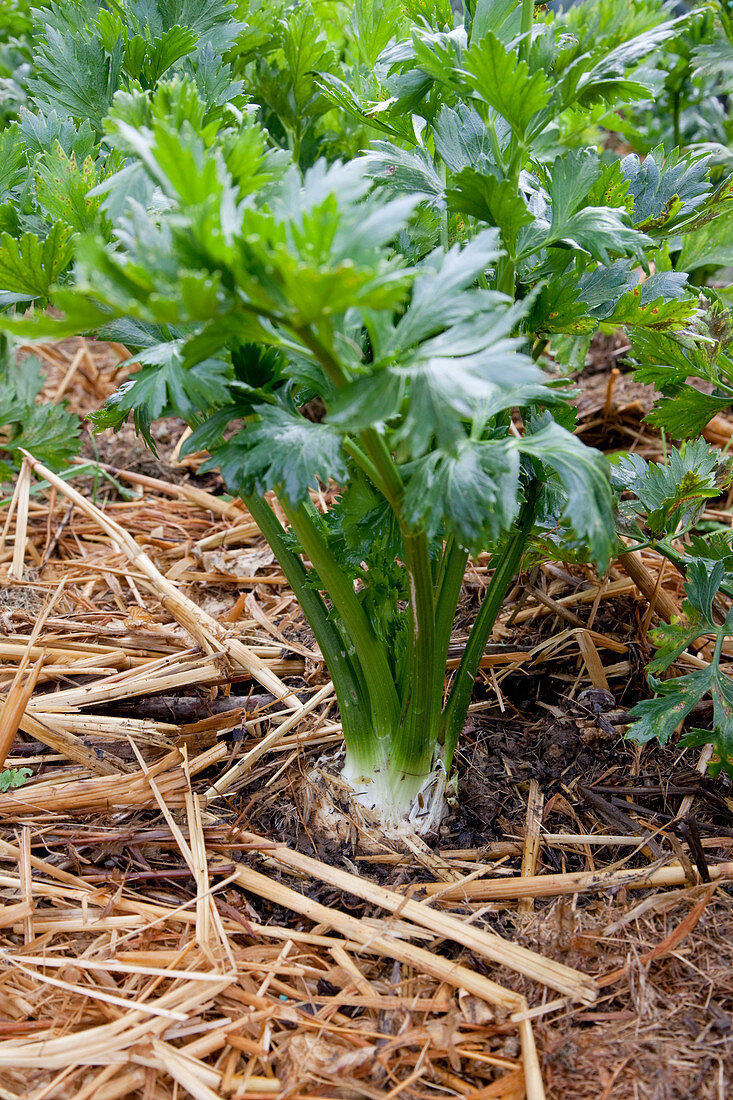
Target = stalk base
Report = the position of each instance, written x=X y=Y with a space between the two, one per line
x=401 y=803
x=364 y=814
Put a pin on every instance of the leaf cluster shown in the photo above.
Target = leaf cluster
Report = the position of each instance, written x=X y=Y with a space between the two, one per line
x=49 y=432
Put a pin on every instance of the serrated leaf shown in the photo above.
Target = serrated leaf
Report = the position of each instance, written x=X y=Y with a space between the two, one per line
x=664 y=187
x=147 y=61
x=709 y=245
x=281 y=451
x=439 y=291
x=601 y=288
x=12 y=159
x=488 y=199
x=406 y=172
x=501 y=80
x=676 y=697
x=473 y=492
x=29 y=266
x=503 y=17
x=658 y=718
x=63 y=189
x=582 y=473
x=560 y=307
x=674 y=495
x=461 y=138
x=49 y=432
x=342 y=96
x=634 y=311
x=164 y=386
x=687 y=411
x=40 y=130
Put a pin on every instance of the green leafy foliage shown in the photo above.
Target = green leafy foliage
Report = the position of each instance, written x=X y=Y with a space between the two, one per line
x=49 y=432
x=29 y=266
x=675 y=365
x=672 y=497
x=676 y=697
x=10 y=778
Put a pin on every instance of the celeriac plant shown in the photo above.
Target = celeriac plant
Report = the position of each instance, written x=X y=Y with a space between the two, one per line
x=371 y=322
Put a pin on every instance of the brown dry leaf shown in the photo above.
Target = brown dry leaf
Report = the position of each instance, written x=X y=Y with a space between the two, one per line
x=306 y=1056
x=237 y=563
x=473 y=1009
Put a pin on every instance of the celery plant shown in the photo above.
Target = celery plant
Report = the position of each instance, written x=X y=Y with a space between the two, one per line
x=326 y=308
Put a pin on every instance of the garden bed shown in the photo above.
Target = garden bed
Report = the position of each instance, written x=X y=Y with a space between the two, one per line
x=176 y=915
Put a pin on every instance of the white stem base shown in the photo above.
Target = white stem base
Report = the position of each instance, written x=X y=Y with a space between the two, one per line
x=402 y=803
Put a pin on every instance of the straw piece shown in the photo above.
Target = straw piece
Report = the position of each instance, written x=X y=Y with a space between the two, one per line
x=452 y=973
x=576 y=882
x=361 y=933
x=592 y=660
x=61 y=741
x=230 y=777
x=632 y=564
x=15 y=704
x=12 y=914
x=491 y=946
x=205 y=629
x=535 y=803
x=102 y=794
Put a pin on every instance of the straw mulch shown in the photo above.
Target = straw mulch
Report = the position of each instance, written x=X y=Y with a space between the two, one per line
x=176 y=920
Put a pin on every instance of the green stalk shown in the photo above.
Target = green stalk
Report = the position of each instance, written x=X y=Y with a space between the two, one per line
x=345 y=672
x=413 y=744
x=459 y=699
x=526 y=28
x=363 y=646
x=447 y=594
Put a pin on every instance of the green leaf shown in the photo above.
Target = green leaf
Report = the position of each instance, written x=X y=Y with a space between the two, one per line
x=674 y=495
x=567 y=217
x=49 y=432
x=29 y=266
x=441 y=291
x=281 y=451
x=503 y=17
x=76 y=75
x=665 y=188
x=560 y=307
x=601 y=288
x=709 y=245
x=339 y=93
x=12 y=159
x=582 y=474
x=659 y=718
x=471 y=493
x=63 y=189
x=687 y=412
x=164 y=386
x=147 y=61
x=10 y=778
x=501 y=80
x=715 y=59
x=41 y=130
x=635 y=310
x=406 y=172
x=491 y=200
x=461 y=139
x=374 y=22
